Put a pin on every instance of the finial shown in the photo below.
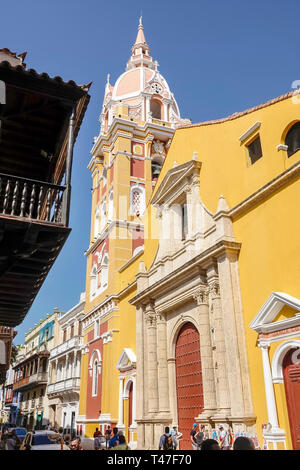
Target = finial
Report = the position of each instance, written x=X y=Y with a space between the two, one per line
x=222 y=204
x=141 y=18
x=195 y=156
x=108 y=77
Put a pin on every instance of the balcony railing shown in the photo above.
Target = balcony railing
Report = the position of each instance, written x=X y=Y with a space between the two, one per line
x=39 y=377
x=66 y=346
x=64 y=385
x=31 y=199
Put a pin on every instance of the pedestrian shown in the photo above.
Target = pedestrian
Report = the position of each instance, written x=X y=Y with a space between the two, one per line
x=114 y=439
x=107 y=435
x=243 y=443
x=210 y=444
x=199 y=437
x=192 y=436
x=224 y=438
x=96 y=440
x=166 y=440
x=122 y=444
x=176 y=436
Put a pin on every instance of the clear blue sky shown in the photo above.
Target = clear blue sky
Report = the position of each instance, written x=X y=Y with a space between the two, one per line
x=219 y=57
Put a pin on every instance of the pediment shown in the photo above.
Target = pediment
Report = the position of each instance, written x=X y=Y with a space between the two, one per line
x=279 y=312
x=127 y=360
x=173 y=179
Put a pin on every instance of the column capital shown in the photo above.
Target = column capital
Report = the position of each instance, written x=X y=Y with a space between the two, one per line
x=264 y=345
x=201 y=295
x=214 y=288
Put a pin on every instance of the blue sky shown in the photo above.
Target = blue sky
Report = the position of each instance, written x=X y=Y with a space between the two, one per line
x=219 y=57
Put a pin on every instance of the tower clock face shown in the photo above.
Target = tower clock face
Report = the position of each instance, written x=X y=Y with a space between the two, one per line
x=156 y=88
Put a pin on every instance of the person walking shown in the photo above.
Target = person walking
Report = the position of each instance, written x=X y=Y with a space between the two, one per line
x=96 y=440
x=192 y=436
x=114 y=441
x=107 y=435
x=166 y=440
x=199 y=437
x=176 y=436
x=224 y=438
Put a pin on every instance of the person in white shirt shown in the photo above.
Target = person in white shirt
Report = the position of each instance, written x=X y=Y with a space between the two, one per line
x=224 y=438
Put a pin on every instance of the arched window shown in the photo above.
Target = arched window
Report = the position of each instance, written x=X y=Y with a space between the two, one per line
x=95 y=370
x=111 y=206
x=96 y=223
x=292 y=139
x=137 y=200
x=104 y=271
x=103 y=216
x=95 y=379
x=93 y=281
x=155 y=109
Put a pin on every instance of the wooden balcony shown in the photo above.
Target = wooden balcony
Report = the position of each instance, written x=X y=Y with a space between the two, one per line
x=39 y=122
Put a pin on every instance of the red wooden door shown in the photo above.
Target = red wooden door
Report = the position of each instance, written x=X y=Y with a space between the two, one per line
x=291 y=374
x=188 y=381
x=130 y=410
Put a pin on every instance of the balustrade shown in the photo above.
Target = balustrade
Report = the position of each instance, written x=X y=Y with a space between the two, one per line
x=31 y=199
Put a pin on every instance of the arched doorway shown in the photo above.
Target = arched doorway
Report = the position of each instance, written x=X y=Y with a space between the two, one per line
x=129 y=409
x=188 y=381
x=291 y=375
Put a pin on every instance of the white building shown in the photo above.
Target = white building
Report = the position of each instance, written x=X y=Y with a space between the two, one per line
x=64 y=371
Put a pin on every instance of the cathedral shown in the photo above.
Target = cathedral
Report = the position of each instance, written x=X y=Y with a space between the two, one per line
x=192 y=300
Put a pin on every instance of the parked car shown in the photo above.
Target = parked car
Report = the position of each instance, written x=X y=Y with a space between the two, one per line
x=20 y=432
x=42 y=440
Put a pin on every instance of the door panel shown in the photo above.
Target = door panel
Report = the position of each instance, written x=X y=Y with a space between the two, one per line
x=291 y=374
x=188 y=381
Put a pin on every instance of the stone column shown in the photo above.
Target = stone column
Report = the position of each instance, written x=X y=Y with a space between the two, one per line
x=208 y=379
x=173 y=389
x=120 y=419
x=66 y=367
x=152 y=360
x=134 y=401
x=269 y=390
x=163 y=379
x=140 y=405
x=234 y=334
x=56 y=370
x=222 y=390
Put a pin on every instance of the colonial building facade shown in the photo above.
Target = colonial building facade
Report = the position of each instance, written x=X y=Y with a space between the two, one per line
x=64 y=370
x=138 y=120
x=192 y=299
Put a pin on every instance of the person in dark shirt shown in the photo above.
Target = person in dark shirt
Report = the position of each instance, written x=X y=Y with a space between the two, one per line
x=193 y=436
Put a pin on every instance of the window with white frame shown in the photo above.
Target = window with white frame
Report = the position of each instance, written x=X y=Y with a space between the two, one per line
x=97 y=328
x=103 y=216
x=93 y=281
x=96 y=223
x=104 y=271
x=95 y=379
x=111 y=205
x=104 y=177
x=137 y=200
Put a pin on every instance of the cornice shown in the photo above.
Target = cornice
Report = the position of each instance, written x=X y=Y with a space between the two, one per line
x=266 y=190
x=185 y=271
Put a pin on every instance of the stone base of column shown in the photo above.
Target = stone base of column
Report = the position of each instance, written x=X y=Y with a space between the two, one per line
x=151 y=428
x=243 y=424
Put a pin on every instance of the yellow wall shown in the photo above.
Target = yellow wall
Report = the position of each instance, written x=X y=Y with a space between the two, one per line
x=269 y=232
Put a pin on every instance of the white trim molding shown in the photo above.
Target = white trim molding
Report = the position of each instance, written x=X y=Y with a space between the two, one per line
x=249 y=131
x=262 y=323
x=278 y=357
